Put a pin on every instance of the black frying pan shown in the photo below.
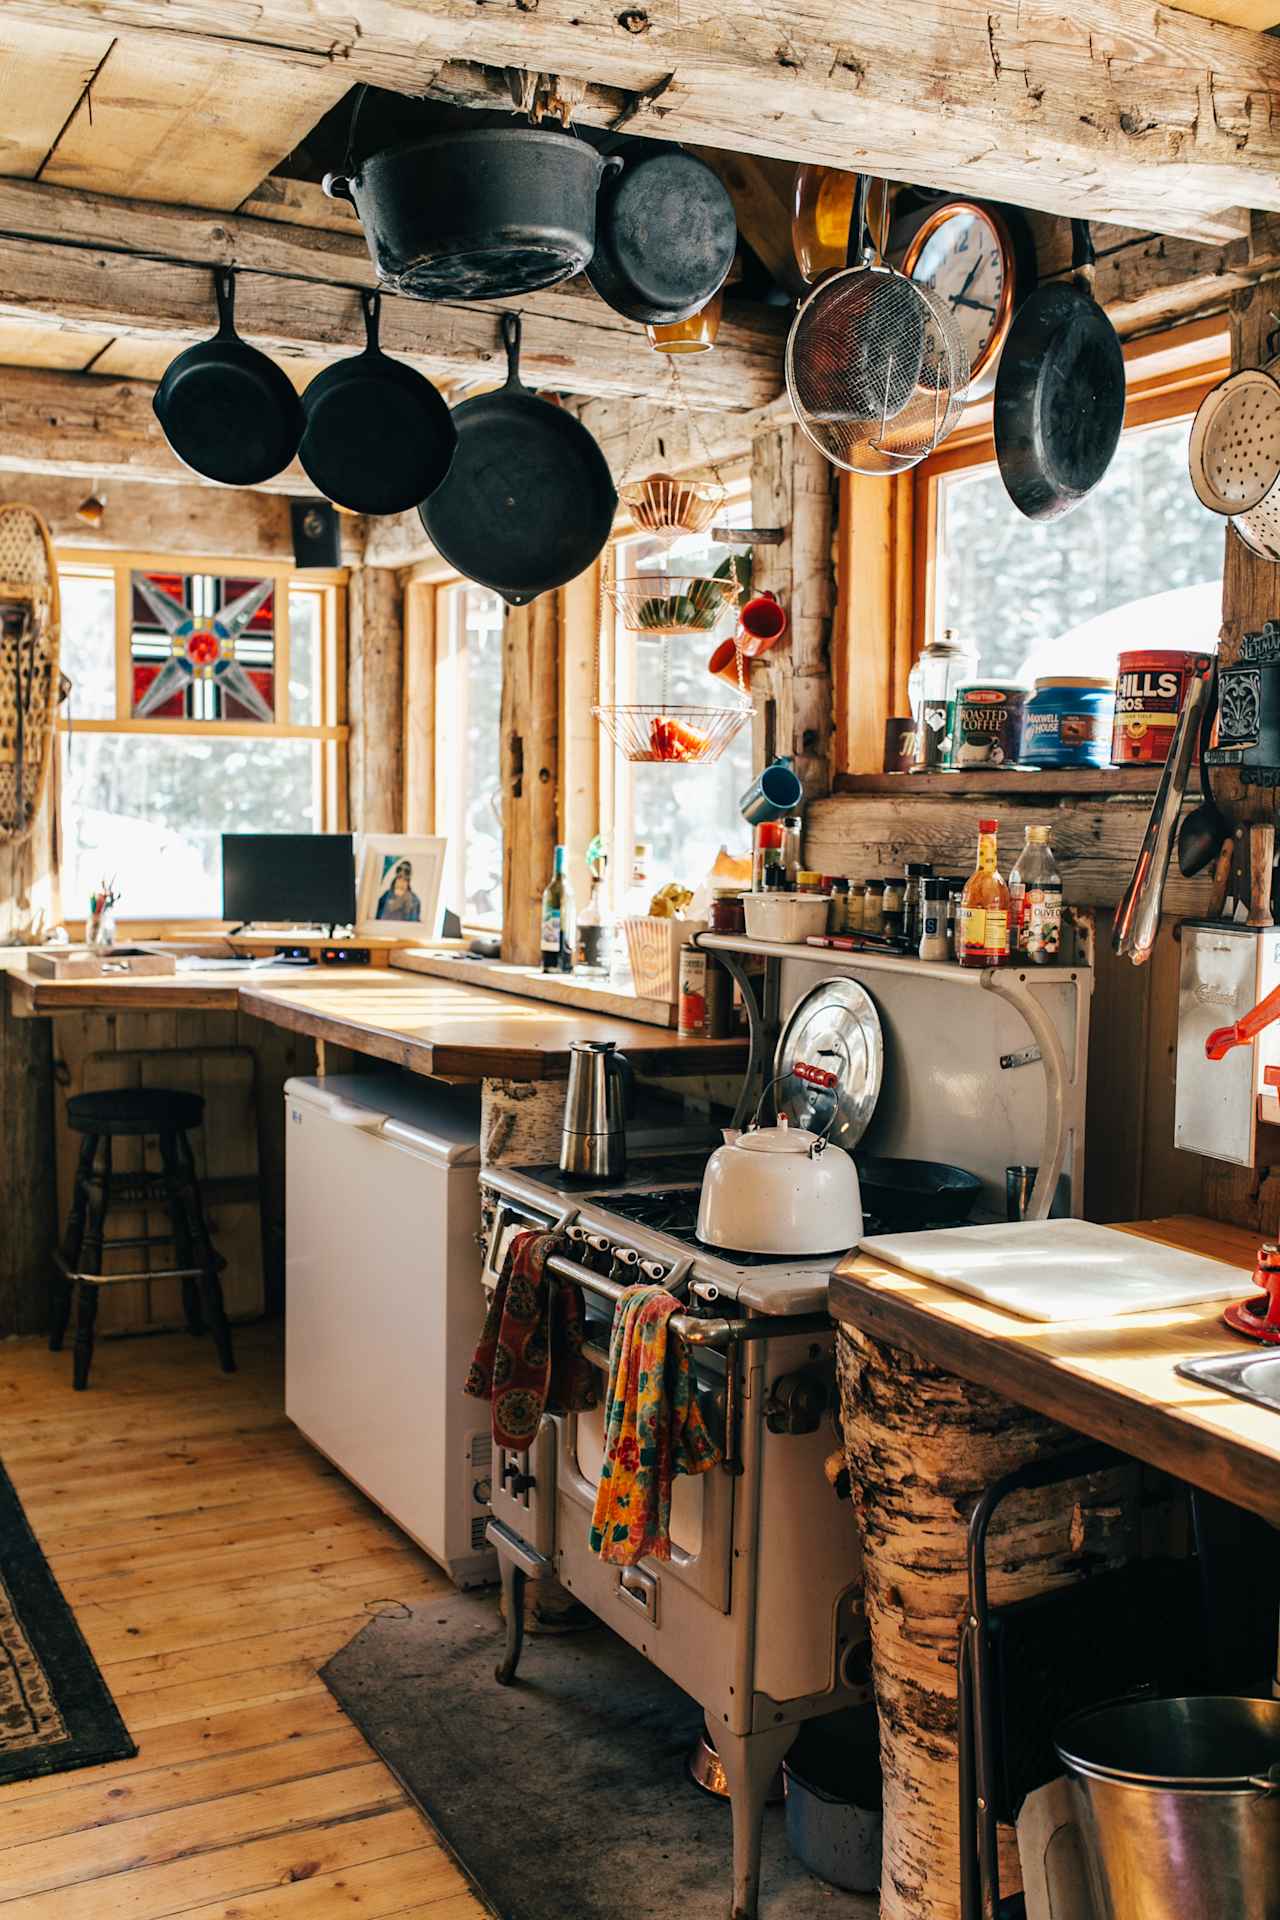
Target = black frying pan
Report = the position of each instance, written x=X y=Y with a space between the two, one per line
x=665 y=237
x=1059 y=399
x=529 y=500
x=906 y=1195
x=228 y=411
x=378 y=436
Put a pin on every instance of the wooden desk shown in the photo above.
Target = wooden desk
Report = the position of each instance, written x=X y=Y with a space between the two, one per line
x=1111 y=1379
x=441 y=1027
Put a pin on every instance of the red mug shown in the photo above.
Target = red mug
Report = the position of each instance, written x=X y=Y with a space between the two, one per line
x=724 y=664
x=761 y=624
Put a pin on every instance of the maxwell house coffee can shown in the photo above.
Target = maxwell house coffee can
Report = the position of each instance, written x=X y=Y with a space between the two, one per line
x=1149 y=688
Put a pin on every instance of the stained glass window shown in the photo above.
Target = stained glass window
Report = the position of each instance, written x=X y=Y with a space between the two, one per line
x=202 y=647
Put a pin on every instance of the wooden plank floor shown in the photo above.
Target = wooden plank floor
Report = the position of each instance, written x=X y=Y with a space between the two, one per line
x=214 y=1562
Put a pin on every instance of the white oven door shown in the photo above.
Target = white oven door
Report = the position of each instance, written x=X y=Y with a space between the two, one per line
x=701 y=1504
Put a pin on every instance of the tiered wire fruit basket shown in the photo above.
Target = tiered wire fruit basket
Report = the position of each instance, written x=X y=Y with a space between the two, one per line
x=665 y=606
x=667 y=506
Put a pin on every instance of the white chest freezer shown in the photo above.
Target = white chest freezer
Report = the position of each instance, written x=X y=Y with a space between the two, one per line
x=383 y=1301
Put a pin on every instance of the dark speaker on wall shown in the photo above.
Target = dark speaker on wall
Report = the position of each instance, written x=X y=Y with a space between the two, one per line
x=317 y=541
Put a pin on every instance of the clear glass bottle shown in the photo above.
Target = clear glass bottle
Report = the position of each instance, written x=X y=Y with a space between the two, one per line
x=635 y=901
x=931 y=689
x=595 y=931
x=982 y=930
x=557 y=937
x=1035 y=902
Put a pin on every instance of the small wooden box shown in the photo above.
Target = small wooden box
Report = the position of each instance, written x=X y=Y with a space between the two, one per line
x=82 y=963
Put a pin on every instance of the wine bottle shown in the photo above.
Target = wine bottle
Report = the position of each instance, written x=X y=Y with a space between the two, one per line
x=558 y=931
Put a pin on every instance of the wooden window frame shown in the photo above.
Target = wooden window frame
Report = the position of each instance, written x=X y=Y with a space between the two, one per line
x=329 y=732
x=886 y=540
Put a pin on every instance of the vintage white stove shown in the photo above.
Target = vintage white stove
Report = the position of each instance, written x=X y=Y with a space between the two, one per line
x=757 y=1615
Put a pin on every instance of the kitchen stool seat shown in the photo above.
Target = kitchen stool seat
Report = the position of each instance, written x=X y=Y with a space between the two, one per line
x=166 y=1115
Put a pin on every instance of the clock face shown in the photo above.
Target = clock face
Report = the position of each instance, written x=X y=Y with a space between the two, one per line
x=962 y=257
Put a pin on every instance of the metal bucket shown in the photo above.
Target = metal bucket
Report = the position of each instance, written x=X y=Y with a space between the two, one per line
x=833 y=1838
x=1180 y=1805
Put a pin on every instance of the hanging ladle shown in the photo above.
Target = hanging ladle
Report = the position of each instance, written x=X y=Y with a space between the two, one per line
x=1206 y=827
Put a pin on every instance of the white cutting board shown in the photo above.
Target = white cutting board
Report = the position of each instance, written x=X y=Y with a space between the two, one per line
x=1060 y=1269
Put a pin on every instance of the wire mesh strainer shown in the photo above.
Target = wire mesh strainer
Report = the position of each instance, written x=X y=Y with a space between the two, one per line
x=876 y=367
x=1234 y=456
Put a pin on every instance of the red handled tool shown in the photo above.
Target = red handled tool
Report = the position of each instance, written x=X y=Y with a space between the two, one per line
x=1259 y=1316
x=1222 y=1039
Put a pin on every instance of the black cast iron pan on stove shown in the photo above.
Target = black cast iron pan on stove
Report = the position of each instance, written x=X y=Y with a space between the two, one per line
x=529 y=500
x=905 y=1196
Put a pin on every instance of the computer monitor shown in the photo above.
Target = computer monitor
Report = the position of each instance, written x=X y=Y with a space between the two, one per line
x=298 y=879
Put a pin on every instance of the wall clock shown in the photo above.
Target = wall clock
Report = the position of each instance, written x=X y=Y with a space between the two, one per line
x=980 y=261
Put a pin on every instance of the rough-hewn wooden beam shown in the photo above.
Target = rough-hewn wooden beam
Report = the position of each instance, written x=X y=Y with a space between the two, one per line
x=1118 y=109
x=136 y=268
x=160 y=517
x=104 y=429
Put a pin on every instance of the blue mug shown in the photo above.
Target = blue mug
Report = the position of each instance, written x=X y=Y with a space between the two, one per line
x=773 y=793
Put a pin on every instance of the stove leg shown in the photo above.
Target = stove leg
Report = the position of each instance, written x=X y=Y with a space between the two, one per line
x=514 y=1580
x=750 y=1761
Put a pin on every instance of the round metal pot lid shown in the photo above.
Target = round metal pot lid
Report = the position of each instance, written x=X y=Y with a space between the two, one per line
x=830 y=1055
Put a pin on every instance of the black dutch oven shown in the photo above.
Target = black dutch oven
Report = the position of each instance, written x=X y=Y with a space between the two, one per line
x=480 y=215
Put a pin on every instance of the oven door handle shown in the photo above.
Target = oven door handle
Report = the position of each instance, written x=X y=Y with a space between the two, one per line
x=717 y=1331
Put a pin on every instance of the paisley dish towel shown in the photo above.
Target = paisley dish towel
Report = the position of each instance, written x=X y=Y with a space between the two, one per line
x=654 y=1429
x=530 y=1357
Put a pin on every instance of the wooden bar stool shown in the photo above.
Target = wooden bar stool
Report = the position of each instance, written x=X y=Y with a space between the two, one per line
x=135 y=1113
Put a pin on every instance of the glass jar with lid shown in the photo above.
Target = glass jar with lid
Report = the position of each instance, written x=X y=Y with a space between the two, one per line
x=931 y=687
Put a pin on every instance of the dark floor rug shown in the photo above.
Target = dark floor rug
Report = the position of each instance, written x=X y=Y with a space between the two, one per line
x=55 y=1710
x=565 y=1796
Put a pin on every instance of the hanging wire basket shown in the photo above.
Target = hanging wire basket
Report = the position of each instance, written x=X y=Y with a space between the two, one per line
x=662 y=605
x=670 y=735
x=667 y=506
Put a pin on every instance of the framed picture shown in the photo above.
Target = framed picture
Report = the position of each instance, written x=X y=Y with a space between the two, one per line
x=399 y=884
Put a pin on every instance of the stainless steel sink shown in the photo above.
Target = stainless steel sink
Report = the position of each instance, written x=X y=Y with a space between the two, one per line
x=1249 y=1376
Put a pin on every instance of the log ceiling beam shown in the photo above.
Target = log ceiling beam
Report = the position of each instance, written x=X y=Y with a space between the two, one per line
x=1119 y=110
x=100 y=428
x=134 y=268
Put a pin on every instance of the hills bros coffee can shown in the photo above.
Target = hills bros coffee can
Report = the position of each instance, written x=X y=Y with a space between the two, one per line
x=1149 y=688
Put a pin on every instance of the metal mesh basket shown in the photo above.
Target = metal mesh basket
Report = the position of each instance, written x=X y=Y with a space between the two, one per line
x=667 y=506
x=876 y=370
x=662 y=604
x=671 y=735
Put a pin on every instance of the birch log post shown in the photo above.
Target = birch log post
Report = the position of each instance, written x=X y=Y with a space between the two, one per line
x=922 y=1445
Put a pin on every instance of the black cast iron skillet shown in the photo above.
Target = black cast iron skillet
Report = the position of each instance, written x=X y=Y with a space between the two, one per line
x=903 y=1195
x=1059 y=398
x=665 y=237
x=378 y=436
x=529 y=500
x=228 y=411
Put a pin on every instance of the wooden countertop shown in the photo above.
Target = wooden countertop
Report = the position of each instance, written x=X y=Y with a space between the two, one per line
x=1111 y=1379
x=443 y=1027
x=211 y=991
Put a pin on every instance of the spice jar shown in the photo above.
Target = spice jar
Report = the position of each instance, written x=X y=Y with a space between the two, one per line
x=891 y=907
x=807 y=881
x=838 y=916
x=918 y=871
x=727 y=912
x=955 y=887
x=767 y=851
x=933 y=920
x=792 y=828
x=872 y=906
x=857 y=906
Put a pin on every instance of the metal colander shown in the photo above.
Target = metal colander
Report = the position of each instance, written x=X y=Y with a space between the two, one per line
x=1234 y=456
x=876 y=367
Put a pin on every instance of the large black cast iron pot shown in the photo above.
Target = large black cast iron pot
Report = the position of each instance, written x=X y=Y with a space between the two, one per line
x=477 y=216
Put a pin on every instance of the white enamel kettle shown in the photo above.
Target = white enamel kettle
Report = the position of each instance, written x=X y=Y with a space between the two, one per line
x=782 y=1190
